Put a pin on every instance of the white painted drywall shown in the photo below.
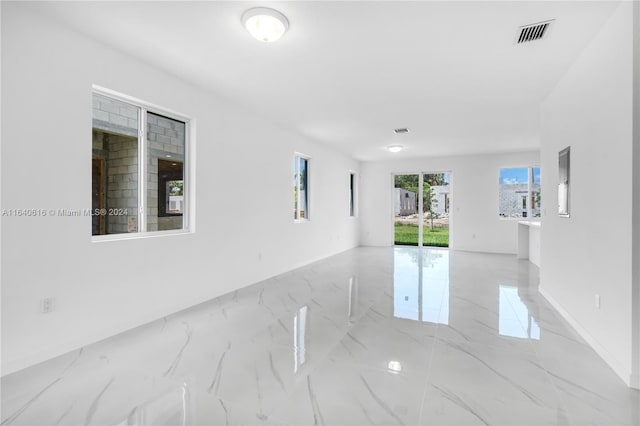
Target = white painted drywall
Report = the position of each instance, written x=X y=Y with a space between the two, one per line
x=475 y=224
x=589 y=253
x=534 y=245
x=104 y=288
x=635 y=376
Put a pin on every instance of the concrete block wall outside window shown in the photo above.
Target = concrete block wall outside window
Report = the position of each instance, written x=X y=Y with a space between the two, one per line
x=519 y=194
x=124 y=133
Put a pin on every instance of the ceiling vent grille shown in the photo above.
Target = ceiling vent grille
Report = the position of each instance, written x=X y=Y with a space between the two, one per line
x=533 y=32
x=401 y=131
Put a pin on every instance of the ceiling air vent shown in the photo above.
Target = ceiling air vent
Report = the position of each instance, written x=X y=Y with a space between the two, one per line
x=533 y=32
x=400 y=131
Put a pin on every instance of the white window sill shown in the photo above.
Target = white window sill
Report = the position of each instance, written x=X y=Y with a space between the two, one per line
x=138 y=235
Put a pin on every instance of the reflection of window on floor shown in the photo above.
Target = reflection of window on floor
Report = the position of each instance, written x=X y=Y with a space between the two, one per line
x=173 y=404
x=421 y=285
x=353 y=297
x=299 y=338
x=515 y=320
x=394 y=367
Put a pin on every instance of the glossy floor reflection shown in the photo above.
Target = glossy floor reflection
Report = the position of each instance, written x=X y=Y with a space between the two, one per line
x=371 y=336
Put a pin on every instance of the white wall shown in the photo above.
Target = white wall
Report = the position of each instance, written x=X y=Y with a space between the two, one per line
x=475 y=224
x=636 y=195
x=590 y=253
x=104 y=288
x=534 y=245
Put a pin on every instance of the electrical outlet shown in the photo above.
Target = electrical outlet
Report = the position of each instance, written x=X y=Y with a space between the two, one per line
x=597 y=301
x=46 y=305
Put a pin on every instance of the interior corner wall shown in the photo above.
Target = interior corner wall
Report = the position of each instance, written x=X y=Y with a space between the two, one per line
x=244 y=197
x=474 y=220
x=590 y=252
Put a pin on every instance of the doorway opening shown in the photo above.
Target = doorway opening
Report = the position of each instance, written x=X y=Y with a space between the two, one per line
x=421 y=205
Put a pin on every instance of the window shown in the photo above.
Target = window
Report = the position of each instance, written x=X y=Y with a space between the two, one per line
x=352 y=194
x=563 y=182
x=300 y=188
x=138 y=167
x=519 y=192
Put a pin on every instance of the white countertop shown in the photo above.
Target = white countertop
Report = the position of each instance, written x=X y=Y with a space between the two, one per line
x=530 y=223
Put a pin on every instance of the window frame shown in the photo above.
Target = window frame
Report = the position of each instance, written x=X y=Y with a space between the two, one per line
x=528 y=198
x=188 y=215
x=564 y=167
x=296 y=157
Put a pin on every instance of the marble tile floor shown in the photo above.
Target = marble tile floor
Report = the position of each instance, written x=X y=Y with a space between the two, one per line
x=389 y=336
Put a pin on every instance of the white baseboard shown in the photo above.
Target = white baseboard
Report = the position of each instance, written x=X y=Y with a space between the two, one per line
x=626 y=376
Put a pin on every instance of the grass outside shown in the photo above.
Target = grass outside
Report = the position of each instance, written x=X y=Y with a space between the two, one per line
x=407 y=234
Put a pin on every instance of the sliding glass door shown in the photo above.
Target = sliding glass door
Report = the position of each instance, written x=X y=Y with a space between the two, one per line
x=437 y=198
x=421 y=205
x=406 y=209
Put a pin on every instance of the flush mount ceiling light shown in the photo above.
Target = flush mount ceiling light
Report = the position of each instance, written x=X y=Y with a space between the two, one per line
x=395 y=148
x=265 y=24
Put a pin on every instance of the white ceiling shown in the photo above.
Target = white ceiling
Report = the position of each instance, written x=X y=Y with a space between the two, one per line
x=347 y=73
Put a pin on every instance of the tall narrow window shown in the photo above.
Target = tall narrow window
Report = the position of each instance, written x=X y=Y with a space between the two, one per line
x=563 y=184
x=138 y=167
x=352 y=194
x=519 y=192
x=536 y=194
x=300 y=188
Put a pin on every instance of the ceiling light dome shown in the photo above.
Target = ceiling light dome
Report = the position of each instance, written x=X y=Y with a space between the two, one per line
x=395 y=148
x=265 y=24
